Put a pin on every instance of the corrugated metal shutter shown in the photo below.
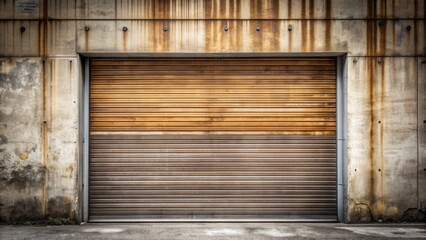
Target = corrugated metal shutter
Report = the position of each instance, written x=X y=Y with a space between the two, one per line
x=232 y=138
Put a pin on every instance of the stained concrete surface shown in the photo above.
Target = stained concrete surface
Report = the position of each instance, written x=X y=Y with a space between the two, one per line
x=216 y=231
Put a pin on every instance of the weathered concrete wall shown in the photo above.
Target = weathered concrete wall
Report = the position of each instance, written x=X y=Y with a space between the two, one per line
x=39 y=128
x=22 y=170
x=40 y=109
x=382 y=138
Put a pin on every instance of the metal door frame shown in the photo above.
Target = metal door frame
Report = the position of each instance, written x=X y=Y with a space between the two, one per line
x=341 y=125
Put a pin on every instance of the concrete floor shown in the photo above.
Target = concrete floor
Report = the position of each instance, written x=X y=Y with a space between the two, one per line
x=216 y=231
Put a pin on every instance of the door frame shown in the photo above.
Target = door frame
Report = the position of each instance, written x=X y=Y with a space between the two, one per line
x=341 y=121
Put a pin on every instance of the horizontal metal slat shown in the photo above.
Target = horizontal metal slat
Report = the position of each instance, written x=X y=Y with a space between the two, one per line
x=215 y=137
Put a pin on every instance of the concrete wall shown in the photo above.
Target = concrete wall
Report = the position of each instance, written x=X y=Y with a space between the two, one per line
x=41 y=85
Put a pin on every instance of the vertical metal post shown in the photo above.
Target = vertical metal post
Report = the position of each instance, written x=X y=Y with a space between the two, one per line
x=86 y=142
x=341 y=133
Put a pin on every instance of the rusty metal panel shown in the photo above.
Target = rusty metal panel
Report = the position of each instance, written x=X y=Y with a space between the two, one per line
x=360 y=37
x=357 y=38
x=388 y=38
x=212 y=138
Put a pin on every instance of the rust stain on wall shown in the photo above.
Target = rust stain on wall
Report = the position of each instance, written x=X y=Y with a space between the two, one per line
x=41 y=38
x=289 y=10
x=382 y=31
x=304 y=27
x=125 y=41
x=25 y=210
x=371 y=29
x=162 y=9
x=70 y=169
x=162 y=32
x=371 y=72
x=415 y=28
x=289 y=35
x=254 y=7
x=86 y=38
x=311 y=26
x=328 y=25
x=381 y=205
x=371 y=79
x=60 y=207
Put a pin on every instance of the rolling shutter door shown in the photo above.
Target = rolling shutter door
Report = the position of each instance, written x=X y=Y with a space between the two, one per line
x=232 y=138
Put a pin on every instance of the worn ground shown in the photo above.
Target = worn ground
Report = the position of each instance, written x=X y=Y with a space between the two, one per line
x=216 y=231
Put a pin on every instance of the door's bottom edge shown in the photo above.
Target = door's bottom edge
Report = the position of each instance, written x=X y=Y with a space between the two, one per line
x=212 y=220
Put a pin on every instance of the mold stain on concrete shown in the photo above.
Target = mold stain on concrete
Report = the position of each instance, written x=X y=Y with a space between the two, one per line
x=360 y=213
x=24 y=210
x=60 y=207
x=23 y=177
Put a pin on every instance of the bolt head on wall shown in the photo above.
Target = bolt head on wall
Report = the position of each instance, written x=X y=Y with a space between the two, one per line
x=125 y=29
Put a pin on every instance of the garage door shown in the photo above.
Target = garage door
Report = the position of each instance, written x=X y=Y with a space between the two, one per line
x=215 y=139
